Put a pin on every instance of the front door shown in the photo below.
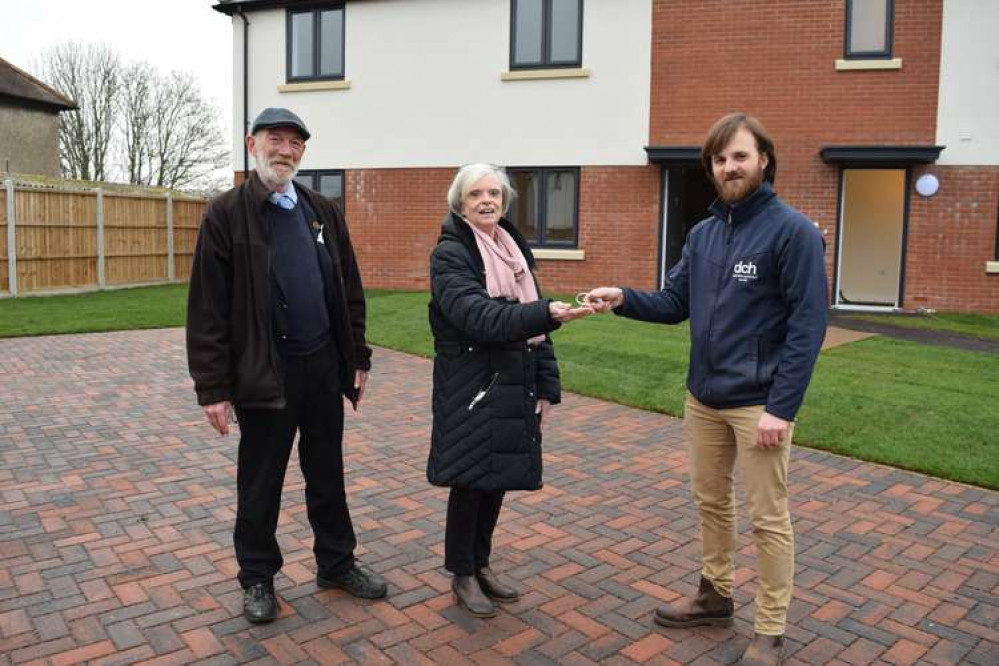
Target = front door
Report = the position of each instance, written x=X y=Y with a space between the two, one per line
x=688 y=195
x=871 y=226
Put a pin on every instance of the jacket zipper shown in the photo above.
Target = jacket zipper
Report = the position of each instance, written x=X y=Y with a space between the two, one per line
x=482 y=392
x=721 y=283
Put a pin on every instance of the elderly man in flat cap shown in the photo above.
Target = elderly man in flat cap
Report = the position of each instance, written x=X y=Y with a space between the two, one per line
x=275 y=335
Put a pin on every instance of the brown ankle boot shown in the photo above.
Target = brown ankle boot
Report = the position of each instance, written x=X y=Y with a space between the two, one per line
x=763 y=651
x=494 y=587
x=707 y=608
x=470 y=597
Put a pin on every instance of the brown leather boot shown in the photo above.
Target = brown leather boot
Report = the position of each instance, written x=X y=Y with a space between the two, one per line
x=494 y=587
x=763 y=651
x=470 y=596
x=707 y=608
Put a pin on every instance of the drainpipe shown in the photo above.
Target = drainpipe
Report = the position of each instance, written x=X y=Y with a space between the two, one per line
x=246 y=84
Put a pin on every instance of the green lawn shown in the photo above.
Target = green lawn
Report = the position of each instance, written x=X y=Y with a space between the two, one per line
x=930 y=409
x=976 y=325
x=925 y=408
x=144 y=307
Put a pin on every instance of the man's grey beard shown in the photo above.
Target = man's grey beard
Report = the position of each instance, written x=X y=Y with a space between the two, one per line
x=270 y=175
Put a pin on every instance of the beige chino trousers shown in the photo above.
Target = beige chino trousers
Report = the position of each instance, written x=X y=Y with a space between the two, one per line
x=718 y=438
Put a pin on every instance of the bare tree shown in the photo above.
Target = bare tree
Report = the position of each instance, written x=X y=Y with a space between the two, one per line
x=160 y=130
x=135 y=113
x=90 y=76
x=185 y=141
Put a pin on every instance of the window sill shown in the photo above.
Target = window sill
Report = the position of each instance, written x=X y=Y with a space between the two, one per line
x=314 y=85
x=561 y=255
x=855 y=65
x=555 y=73
x=990 y=266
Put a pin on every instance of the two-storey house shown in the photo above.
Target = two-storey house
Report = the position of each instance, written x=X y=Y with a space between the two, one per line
x=885 y=113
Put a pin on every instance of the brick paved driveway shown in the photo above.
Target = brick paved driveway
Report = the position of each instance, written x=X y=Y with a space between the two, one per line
x=116 y=504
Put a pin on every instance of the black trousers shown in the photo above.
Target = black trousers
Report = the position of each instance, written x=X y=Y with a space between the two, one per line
x=468 y=537
x=314 y=409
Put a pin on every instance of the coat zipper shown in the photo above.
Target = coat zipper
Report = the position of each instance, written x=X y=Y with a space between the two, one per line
x=482 y=392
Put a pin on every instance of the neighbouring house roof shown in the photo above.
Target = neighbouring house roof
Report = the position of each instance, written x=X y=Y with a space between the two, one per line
x=20 y=85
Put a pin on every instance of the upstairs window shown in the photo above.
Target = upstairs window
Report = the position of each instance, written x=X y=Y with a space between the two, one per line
x=315 y=44
x=546 y=33
x=546 y=209
x=328 y=182
x=869 y=28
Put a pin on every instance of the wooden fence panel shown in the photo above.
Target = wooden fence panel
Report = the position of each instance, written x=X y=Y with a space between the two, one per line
x=4 y=267
x=135 y=242
x=187 y=217
x=56 y=240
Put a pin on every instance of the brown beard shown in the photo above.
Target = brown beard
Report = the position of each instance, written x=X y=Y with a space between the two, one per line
x=740 y=188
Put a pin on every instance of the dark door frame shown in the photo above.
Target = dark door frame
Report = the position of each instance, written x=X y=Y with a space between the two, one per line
x=877 y=156
x=668 y=158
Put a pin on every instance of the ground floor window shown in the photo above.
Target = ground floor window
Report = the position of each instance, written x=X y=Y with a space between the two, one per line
x=546 y=209
x=328 y=182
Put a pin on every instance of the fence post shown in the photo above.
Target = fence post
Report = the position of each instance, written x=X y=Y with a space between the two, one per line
x=171 y=268
x=101 y=265
x=11 y=239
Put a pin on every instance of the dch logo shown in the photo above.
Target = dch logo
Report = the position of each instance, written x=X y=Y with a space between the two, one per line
x=744 y=271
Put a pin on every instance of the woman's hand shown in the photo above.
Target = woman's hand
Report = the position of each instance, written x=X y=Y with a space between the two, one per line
x=544 y=406
x=563 y=312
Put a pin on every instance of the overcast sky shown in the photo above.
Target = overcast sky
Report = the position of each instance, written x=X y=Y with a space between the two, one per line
x=182 y=35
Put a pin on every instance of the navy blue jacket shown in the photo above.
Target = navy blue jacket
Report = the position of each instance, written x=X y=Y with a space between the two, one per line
x=752 y=281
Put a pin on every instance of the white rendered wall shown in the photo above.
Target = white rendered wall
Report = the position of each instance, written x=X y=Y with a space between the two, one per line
x=426 y=89
x=968 y=106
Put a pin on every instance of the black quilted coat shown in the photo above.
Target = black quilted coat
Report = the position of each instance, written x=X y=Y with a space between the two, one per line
x=487 y=379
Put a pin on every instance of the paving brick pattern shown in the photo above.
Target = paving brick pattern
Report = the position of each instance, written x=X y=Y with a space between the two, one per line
x=117 y=503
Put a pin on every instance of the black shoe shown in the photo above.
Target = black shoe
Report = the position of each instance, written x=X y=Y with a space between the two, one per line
x=259 y=603
x=494 y=587
x=357 y=581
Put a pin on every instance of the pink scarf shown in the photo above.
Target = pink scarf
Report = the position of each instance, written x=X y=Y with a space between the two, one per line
x=507 y=273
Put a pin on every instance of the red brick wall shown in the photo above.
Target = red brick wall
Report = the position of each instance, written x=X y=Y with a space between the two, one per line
x=951 y=236
x=776 y=60
x=395 y=216
x=618 y=231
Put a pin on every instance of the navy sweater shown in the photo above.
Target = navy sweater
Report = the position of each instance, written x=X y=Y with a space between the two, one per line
x=301 y=321
x=752 y=282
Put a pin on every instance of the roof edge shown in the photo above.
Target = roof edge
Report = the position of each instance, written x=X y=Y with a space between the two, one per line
x=674 y=155
x=233 y=7
x=880 y=154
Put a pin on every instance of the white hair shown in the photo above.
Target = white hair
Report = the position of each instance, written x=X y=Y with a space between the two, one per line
x=469 y=175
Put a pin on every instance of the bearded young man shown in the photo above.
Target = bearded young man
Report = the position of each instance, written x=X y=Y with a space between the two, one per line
x=275 y=331
x=752 y=282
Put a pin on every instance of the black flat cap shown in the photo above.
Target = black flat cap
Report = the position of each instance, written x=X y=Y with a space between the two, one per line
x=277 y=117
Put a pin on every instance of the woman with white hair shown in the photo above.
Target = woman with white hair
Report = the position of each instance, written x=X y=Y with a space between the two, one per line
x=495 y=375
